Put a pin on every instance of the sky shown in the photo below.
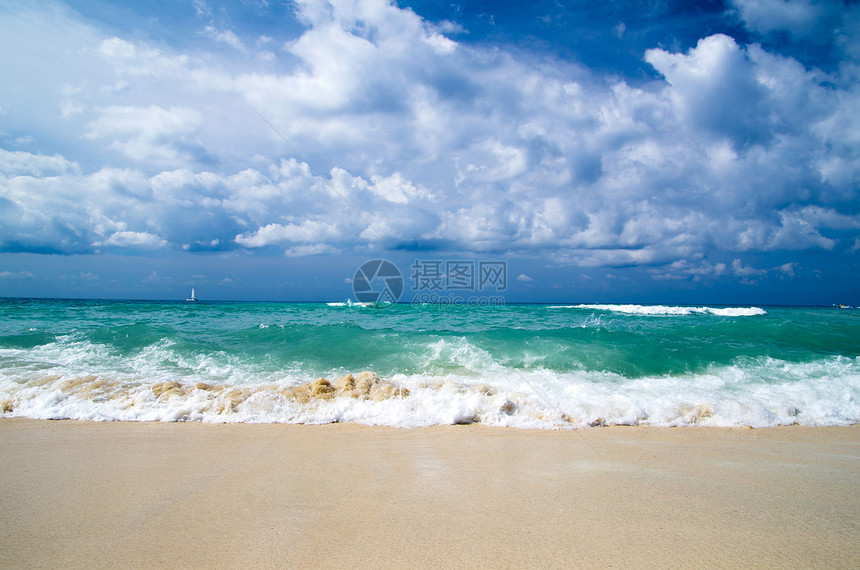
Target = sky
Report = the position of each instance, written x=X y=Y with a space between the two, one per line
x=630 y=151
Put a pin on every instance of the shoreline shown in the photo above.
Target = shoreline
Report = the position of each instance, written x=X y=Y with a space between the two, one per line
x=93 y=494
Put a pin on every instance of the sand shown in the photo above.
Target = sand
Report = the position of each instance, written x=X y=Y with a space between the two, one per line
x=79 y=494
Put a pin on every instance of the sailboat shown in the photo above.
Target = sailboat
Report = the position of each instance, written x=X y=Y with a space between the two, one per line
x=192 y=298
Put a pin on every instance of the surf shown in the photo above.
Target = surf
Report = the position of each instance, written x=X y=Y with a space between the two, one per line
x=526 y=366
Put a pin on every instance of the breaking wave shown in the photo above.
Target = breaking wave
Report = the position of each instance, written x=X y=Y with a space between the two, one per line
x=670 y=310
x=756 y=392
x=406 y=366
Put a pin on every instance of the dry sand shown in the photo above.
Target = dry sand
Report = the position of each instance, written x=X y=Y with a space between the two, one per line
x=78 y=494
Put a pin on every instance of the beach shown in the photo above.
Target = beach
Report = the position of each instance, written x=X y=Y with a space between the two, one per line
x=178 y=495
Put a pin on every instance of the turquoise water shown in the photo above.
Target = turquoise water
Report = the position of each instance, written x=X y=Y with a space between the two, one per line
x=517 y=365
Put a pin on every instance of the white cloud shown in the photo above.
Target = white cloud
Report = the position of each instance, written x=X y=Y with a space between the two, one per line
x=311 y=231
x=68 y=108
x=800 y=17
x=225 y=36
x=150 y=133
x=746 y=271
x=788 y=269
x=141 y=62
x=714 y=87
x=523 y=278
x=440 y=43
x=310 y=249
x=795 y=233
x=142 y=240
x=116 y=48
x=490 y=160
x=201 y=7
x=18 y=163
x=696 y=269
x=397 y=189
x=461 y=146
x=15 y=275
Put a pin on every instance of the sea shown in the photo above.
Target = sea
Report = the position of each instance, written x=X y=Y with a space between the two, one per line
x=536 y=366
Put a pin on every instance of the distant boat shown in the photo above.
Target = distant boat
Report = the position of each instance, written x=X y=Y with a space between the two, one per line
x=192 y=298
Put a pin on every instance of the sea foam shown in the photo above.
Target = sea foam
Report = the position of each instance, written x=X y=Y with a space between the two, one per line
x=758 y=393
x=670 y=310
x=519 y=366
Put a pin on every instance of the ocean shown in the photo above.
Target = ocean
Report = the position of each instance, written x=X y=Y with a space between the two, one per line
x=404 y=365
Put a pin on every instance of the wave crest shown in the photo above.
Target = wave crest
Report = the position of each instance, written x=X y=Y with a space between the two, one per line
x=650 y=310
x=756 y=392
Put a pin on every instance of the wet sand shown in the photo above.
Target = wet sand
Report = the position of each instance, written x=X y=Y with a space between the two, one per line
x=79 y=494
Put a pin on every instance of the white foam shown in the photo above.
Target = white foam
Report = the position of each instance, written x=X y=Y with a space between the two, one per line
x=349 y=303
x=459 y=382
x=736 y=311
x=756 y=392
x=649 y=310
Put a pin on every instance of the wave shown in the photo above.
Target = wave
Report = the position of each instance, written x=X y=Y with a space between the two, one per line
x=650 y=310
x=520 y=366
x=759 y=392
x=349 y=303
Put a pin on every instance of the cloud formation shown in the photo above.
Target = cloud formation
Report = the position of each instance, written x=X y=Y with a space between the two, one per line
x=377 y=130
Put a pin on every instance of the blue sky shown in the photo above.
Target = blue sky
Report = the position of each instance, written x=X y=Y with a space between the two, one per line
x=666 y=151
